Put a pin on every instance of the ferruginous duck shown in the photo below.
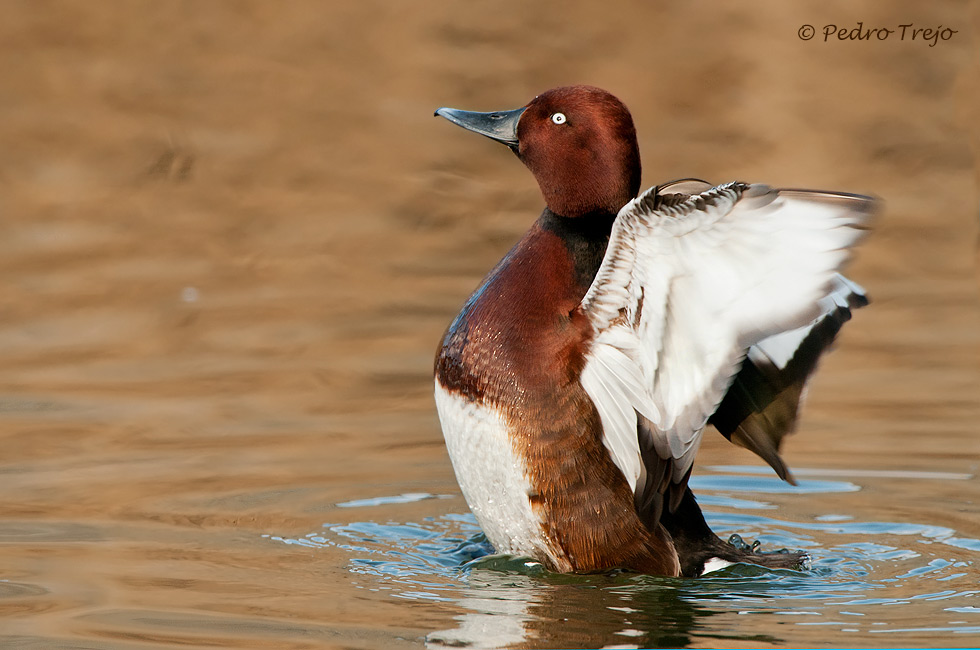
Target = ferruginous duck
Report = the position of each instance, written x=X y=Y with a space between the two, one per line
x=574 y=386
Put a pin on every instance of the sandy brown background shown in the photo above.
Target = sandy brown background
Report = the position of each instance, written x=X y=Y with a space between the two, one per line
x=231 y=234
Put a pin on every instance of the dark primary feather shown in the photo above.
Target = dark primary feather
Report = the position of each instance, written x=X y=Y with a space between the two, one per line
x=762 y=404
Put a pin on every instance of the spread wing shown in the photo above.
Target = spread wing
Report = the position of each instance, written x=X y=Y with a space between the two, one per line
x=688 y=285
x=762 y=404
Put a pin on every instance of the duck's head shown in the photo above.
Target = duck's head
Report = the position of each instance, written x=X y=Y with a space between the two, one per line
x=578 y=141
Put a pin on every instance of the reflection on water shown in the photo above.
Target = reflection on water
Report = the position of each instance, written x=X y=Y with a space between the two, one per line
x=903 y=581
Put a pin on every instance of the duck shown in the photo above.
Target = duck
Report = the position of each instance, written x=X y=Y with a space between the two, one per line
x=574 y=386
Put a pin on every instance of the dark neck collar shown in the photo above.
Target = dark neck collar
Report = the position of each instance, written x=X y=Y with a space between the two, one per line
x=584 y=237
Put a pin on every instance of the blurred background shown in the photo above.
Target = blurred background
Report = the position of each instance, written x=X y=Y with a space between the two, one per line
x=232 y=234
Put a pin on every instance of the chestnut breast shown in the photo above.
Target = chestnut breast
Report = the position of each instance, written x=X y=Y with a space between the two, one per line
x=520 y=337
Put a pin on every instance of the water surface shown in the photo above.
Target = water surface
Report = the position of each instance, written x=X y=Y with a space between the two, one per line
x=917 y=582
x=231 y=235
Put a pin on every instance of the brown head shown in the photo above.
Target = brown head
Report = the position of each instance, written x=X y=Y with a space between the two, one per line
x=578 y=141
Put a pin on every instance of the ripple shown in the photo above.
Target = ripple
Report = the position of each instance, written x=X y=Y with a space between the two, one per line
x=768 y=484
x=859 y=473
x=903 y=578
x=408 y=497
x=10 y=589
x=44 y=532
x=433 y=553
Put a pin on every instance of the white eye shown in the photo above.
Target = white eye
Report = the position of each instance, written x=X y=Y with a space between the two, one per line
x=559 y=118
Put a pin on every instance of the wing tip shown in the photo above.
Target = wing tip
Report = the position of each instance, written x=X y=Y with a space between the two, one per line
x=865 y=204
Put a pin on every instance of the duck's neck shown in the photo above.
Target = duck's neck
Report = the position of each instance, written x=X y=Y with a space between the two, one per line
x=584 y=237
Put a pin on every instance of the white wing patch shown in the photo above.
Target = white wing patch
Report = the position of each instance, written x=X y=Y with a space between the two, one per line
x=715 y=564
x=686 y=289
x=780 y=348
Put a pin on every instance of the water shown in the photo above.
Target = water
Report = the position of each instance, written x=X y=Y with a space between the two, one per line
x=917 y=583
x=231 y=235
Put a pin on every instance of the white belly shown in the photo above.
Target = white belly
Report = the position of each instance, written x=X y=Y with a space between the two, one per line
x=492 y=477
